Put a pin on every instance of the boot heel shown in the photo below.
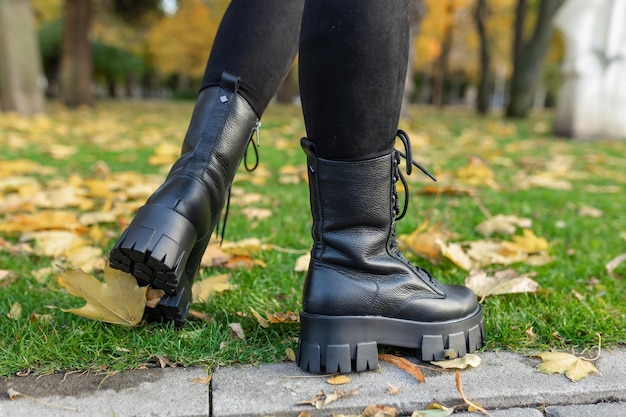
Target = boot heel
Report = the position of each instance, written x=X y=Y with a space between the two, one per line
x=155 y=247
x=329 y=344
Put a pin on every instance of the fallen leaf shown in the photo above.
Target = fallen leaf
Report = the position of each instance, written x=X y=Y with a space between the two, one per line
x=459 y=388
x=16 y=311
x=239 y=262
x=434 y=410
x=574 y=367
x=502 y=282
x=200 y=315
x=393 y=390
x=302 y=263
x=286 y=317
x=255 y=213
x=614 y=263
x=290 y=354
x=337 y=395
x=505 y=224
x=262 y=321
x=588 y=211
x=203 y=290
x=528 y=243
x=213 y=256
x=376 y=410
x=403 y=364
x=456 y=254
x=153 y=297
x=339 y=380
x=203 y=381
x=118 y=300
x=470 y=359
x=237 y=330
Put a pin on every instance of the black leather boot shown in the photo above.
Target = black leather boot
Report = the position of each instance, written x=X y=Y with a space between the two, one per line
x=163 y=245
x=359 y=290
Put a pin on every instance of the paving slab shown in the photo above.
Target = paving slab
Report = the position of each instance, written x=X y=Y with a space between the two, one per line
x=617 y=409
x=151 y=392
x=503 y=381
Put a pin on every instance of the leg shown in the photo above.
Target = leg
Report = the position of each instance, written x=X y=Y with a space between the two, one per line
x=359 y=290
x=163 y=245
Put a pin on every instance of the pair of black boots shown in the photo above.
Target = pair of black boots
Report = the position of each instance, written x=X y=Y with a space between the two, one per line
x=359 y=290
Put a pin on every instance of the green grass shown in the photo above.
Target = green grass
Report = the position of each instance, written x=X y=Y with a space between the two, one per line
x=568 y=312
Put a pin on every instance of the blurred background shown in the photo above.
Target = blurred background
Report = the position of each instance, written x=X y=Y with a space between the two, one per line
x=508 y=56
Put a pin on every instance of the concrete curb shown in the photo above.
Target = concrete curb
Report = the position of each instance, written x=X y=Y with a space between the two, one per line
x=507 y=384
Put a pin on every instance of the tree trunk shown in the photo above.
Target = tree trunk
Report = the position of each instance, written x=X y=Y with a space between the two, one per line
x=20 y=59
x=417 y=11
x=481 y=12
x=528 y=56
x=76 y=72
x=441 y=72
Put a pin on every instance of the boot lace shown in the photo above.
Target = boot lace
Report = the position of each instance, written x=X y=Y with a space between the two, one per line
x=398 y=214
x=255 y=148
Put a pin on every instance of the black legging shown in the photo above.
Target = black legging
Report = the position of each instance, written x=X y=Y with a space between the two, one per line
x=352 y=66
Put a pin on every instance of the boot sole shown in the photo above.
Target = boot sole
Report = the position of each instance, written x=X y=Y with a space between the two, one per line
x=330 y=344
x=154 y=249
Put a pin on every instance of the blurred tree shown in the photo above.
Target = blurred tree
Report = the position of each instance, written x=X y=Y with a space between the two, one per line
x=529 y=55
x=180 y=44
x=20 y=62
x=483 y=98
x=76 y=67
x=417 y=11
x=75 y=72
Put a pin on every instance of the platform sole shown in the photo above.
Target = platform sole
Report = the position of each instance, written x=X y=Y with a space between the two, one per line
x=331 y=344
x=154 y=249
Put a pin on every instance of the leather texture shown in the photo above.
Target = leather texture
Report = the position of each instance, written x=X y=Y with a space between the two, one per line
x=221 y=126
x=356 y=268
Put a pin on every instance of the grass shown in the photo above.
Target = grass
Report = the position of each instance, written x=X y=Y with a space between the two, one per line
x=577 y=300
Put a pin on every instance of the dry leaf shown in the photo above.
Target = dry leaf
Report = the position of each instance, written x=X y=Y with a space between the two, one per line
x=203 y=381
x=213 y=256
x=423 y=241
x=574 y=367
x=504 y=224
x=339 y=380
x=203 y=290
x=153 y=297
x=262 y=321
x=255 y=213
x=503 y=282
x=322 y=399
x=614 y=263
x=302 y=263
x=456 y=254
x=588 y=211
x=290 y=354
x=393 y=390
x=477 y=172
x=470 y=359
x=404 y=365
x=118 y=300
x=459 y=388
x=286 y=317
x=375 y=410
x=16 y=311
x=528 y=243
x=239 y=262
x=434 y=410
x=237 y=330
x=200 y=315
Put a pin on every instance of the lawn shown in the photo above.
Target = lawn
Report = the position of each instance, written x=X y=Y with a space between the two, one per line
x=84 y=172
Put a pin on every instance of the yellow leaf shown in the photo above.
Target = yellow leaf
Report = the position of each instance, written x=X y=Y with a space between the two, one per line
x=339 y=380
x=470 y=359
x=262 y=321
x=290 y=354
x=202 y=290
x=574 y=367
x=16 y=311
x=528 y=243
x=117 y=300
x=376 y=410
x=456 y=254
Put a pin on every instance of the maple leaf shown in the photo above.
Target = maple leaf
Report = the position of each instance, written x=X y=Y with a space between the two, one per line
x=117 y=300
x=574 y=367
